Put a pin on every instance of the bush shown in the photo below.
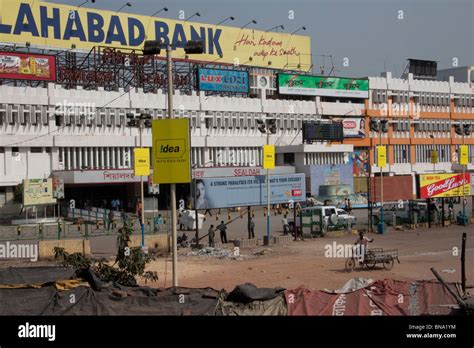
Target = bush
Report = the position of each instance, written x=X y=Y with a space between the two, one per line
x=129 y=263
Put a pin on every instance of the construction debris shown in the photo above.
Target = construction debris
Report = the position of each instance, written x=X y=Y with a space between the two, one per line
x=219 y=253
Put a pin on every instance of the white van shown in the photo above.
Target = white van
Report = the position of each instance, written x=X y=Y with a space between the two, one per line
x=332 y=216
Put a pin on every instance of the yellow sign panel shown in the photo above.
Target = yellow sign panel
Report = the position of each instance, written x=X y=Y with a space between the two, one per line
x=434 y=156
x=38 y=191
x=268 y=156
x=463 y=155
x=142 y=162
x=171 y=151
x=59 y=26
x=381 y=156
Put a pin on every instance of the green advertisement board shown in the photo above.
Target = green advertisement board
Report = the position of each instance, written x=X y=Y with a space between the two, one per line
x=323 y=86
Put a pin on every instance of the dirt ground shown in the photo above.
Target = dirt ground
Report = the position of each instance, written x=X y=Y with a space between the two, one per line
x=304 y=262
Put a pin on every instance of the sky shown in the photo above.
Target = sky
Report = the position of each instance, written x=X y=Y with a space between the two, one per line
x=364 y=37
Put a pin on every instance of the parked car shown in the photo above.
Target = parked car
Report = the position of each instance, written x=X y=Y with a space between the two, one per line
x=345 y=217
x=332 y=216
x=402 y=212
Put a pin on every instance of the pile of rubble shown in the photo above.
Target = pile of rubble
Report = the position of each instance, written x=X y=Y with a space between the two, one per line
x=219 y=253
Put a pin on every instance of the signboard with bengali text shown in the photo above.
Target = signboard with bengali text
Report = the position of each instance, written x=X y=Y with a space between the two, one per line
x=322 y=86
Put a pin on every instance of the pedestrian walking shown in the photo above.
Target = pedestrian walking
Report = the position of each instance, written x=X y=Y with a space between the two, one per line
x=349 y=206
x=286 y=226
x=211 y=234
x=223 y=228
x=251 y=229
x=111 y=219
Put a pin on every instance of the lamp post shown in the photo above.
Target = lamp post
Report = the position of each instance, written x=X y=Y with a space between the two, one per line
x=151 y=48
x=253 y=21
x=127 y=4
x=463 y=130
x=267 y=126
x=282 y=27
x=380 y=126
x=433 y=154
x=225 y=20
x=142 y=121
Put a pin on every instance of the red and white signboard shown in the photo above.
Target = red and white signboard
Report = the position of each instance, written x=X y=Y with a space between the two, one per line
x=26 y=66
x=445 y=185
x=352 y=127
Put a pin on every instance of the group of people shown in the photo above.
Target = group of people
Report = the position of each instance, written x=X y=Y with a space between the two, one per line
x=223 y=232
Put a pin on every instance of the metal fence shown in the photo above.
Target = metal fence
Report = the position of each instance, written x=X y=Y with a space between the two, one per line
x=70 y=230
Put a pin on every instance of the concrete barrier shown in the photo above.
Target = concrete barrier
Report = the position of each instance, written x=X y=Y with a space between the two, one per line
x=46 y=247
x=281 y=240
x=159 y=241
x=244 y=243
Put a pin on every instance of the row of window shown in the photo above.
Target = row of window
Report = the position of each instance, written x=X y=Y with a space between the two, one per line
x=423 y=98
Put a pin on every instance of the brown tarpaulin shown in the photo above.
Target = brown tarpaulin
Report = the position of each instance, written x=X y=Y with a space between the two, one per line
x=383 y=297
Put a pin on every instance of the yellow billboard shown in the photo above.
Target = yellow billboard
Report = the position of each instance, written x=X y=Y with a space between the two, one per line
x=141 y=162
x=38 y=191
x=464 y=155
x=268 y=156
x=171 y=151
x=381 y=156
x=59 y=26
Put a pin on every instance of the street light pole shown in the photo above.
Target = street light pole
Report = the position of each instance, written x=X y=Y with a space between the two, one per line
x=381 y=186
x=174 y=222
x=142 y=196
x=463 y=174
x=268 y=194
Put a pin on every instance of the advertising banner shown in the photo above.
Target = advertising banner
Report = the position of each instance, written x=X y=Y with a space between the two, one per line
x=141 y=162
x=444 y=185
x=353 y=127
x=248 y=191
x=19 y=66
x=360 y=163
x=215 y=172
x=54 y=25
x=38 y=191
x=268 y=156
x=58 y=187
x=171 y=151
x=381 y=156
x=323 y=86
x=153 y=189
x=463 y=155
x=220 y=80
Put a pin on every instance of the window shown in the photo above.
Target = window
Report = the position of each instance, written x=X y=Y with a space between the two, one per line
x=2 y=150
x=36 y=150
x=47 y=149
